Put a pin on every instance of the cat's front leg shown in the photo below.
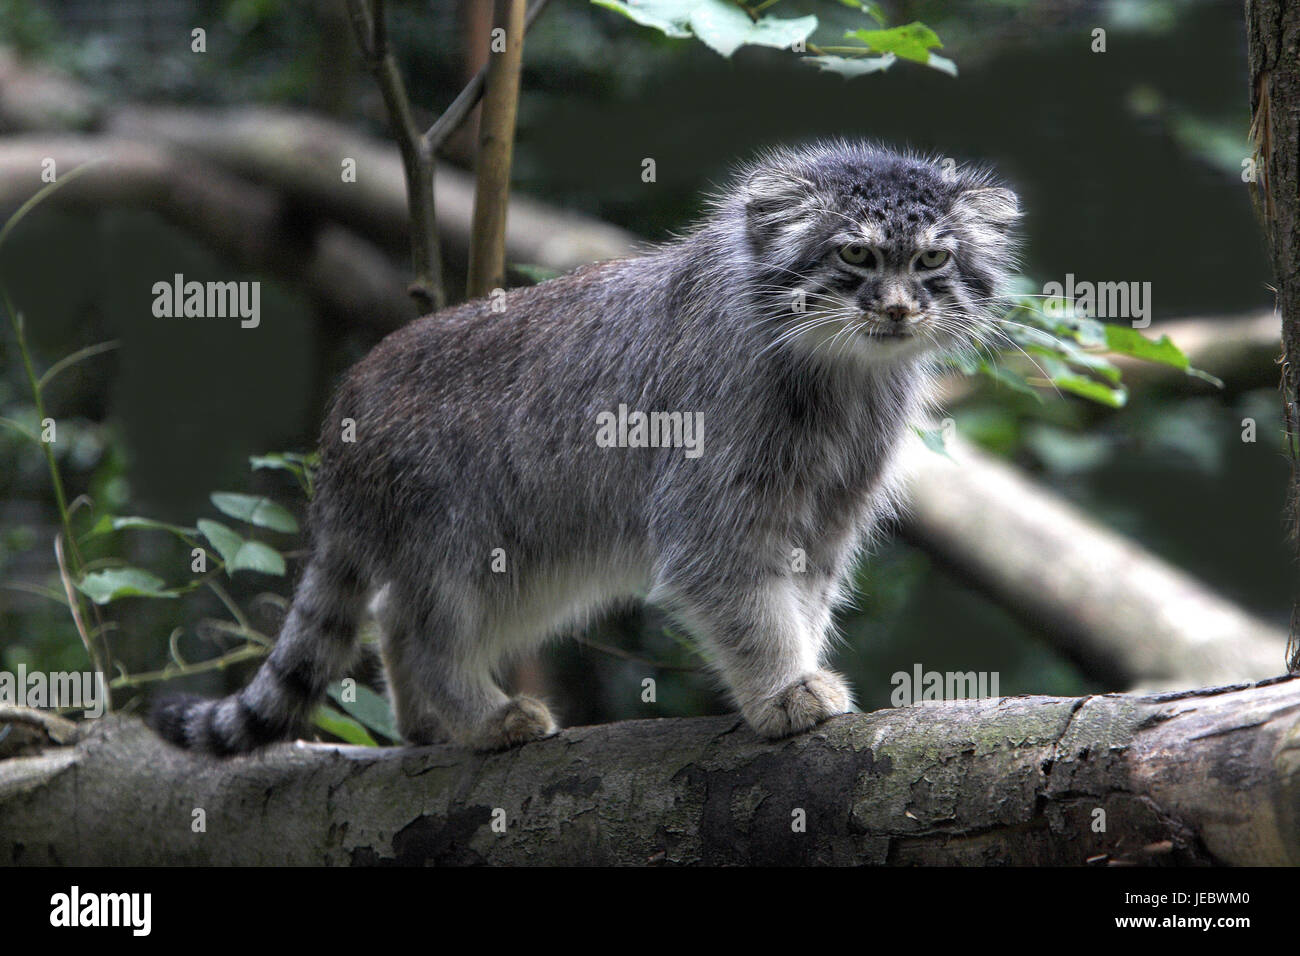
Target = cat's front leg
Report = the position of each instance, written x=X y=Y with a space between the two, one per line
x=767 y=643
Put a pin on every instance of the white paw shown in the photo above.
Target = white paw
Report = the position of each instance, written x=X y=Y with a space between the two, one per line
x=800 y=705
x=515 y=722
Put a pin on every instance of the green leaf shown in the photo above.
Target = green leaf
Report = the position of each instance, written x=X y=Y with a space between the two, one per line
x=1127 y=341
x=256 y=510
x=849 y=67
x=932 y=438
x=535 y=273
x=282 y=461
x=342 y=726
x=1092 y=389
x=302 y=467
x=778 y=33
x=942 y=64
x=1068 y=452
x=110 y=523
x=114 y=583
x=1013 y=380
x=370 y=709
x=660 y=16
x=1069 y=353
x=911 y=42
x=722 y=25
x=240 y=554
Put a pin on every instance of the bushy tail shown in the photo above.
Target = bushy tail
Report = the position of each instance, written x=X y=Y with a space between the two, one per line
x=317 y=643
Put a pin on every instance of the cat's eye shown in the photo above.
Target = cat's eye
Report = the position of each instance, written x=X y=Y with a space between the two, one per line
x=932 y=258
x=856 y=254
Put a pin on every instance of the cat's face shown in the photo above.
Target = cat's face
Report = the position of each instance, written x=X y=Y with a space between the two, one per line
x=867 y=253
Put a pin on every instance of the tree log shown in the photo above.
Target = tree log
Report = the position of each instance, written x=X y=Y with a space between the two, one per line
x=1121 y=612
x=252 y=225
x=1208 y=777
x=300 y=156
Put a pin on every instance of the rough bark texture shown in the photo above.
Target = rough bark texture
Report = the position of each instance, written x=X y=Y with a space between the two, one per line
x=1210 y=777
x=1273 y=52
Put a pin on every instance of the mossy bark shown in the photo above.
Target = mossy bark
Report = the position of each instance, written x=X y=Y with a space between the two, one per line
x=1209 y=777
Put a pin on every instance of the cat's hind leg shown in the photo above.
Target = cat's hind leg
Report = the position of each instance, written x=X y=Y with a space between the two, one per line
x=441 y=668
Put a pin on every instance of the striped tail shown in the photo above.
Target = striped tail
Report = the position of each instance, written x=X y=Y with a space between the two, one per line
x=317 y=643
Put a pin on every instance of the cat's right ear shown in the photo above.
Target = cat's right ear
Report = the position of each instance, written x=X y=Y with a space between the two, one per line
x=771 y=191
x=774 y=198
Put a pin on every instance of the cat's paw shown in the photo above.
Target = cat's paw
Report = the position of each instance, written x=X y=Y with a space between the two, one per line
x=515 y=722
x=804 y=703
x=424 y=733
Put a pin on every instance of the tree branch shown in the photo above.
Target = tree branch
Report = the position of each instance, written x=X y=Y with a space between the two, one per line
x=1210 y=777
x=1102 y=600
x=487 y=251
x=417 y=162
x=456 y=114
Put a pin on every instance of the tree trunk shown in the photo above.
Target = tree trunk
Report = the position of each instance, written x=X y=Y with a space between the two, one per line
x=1208 y=777
x=1273 y=52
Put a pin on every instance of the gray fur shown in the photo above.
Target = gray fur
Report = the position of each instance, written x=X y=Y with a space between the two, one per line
x=476 y=429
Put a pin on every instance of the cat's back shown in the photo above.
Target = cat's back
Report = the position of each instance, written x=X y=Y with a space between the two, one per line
x=496 y=339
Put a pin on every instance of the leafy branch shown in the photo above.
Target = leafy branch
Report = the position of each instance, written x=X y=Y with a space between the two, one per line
x=726 y=25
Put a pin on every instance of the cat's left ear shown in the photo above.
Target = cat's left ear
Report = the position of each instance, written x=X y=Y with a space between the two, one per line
x=995 y=205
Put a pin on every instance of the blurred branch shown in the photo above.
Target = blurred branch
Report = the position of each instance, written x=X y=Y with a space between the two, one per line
x=255 y=226
x=369 y=25
x=298 y=155
x=1101 y=599
x=622 y=655
x=35 y=97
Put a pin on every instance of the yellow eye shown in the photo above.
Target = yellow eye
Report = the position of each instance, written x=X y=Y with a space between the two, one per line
x=932 y=258
x=856 y=254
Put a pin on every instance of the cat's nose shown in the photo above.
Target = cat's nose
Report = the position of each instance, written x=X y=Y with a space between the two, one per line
x=896 y=313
